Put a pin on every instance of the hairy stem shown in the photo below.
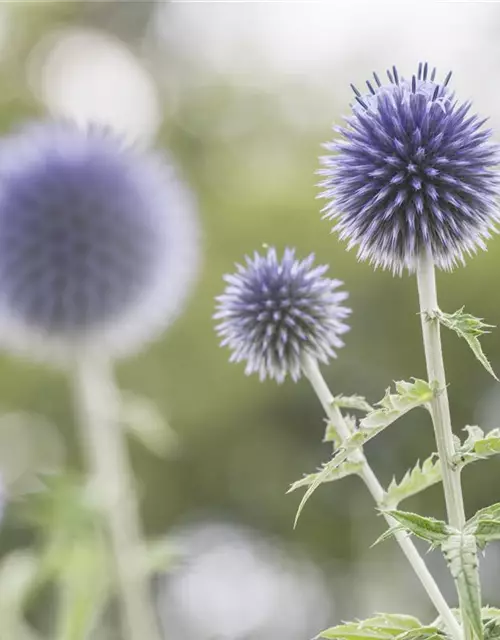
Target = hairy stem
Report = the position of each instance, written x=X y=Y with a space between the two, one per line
x=96 y=399
x=440 y=408
x=311 y=370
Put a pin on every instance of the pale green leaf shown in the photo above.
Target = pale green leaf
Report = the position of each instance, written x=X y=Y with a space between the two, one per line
x=460 y=551
x=414 y=481
x=17 y=576
x=491 y=622
x=409 y=395
x=477 y=446
x=436 y=532
x=352 y=402
x=347 y=468
x=423 y=633
x=143 y=421
x=332 y=430
x=383 y=626
x=469 y=328
x=489 y=445
x=485 y=525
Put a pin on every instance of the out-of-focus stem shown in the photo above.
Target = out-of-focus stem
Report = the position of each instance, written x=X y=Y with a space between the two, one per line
x=96 y=399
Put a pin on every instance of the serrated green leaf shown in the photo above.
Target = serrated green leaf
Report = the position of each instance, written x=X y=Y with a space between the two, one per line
x=332 y=430
x=477 y=446
x=485 y=525
x=489 y=445
x=346 y=469
x=423 y=633
x=436 y=532
x=384 y=626
x=460 y=552
x=491 y=622
x=352 y=402
x=408 y=396
x=469 y=328
x=414 y=481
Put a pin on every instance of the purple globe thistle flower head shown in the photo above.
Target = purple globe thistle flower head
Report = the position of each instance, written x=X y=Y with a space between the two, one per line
x=274 y=312
x=98 y=242
x=412 y=174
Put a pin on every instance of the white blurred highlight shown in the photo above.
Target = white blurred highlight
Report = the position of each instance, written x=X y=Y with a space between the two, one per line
x=235 y=584
x=90 y=76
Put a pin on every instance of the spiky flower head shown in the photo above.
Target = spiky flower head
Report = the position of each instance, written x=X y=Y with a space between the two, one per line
x=97 y=241
x=412 y=174
x=274 y=312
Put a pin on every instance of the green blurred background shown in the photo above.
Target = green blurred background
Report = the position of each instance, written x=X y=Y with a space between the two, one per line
x=243 y=95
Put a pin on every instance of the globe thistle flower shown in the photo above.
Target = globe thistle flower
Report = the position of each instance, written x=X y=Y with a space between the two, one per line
x=413 y=173
x=273 y=313
x=98 y=242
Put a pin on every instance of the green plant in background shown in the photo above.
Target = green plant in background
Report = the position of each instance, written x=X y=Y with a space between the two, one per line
x=98 y=247
x=412 y=184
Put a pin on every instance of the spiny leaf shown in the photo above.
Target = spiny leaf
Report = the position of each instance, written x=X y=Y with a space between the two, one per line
x=489 y=445
x=409 y=395
x=491 y=621
x=345 y=469
x=392 y=406
x=477 y=446
x=485 y=525
x=383 y=626
x=489 y=615
x=460 y=551
x=352 y=402
x=414 y=481
x=332 y=430
x=469 y=328
x=424 y=633
x=436 y=532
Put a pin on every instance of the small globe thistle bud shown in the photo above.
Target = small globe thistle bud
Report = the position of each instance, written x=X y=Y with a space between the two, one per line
x=413 y=174
x=273 y=313
x=98 y=242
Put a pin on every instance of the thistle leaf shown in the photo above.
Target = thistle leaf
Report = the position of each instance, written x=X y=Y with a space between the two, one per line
x=352 y=402
x=384 y=626
x=469 y=328
x=436 y=532
x=409 y=395
x=460 y=551
x=424 y=633
x=347 y=468
x=332 y=430
x=491 y=622
x=477 y=446
x=485 y=525
x=489 y=445
x=414 y=481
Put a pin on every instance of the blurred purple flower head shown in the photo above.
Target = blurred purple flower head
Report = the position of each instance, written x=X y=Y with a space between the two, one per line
x=98 y=242
x=274 y=312
x=413 y=173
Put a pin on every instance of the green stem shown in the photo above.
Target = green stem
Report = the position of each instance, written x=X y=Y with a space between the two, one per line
x=312 y=372
x=440 y=408
x=96 y=399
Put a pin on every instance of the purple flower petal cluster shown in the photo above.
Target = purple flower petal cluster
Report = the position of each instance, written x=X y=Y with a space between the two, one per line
x=273 y=312
x=413 y=172
x=98 y=242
